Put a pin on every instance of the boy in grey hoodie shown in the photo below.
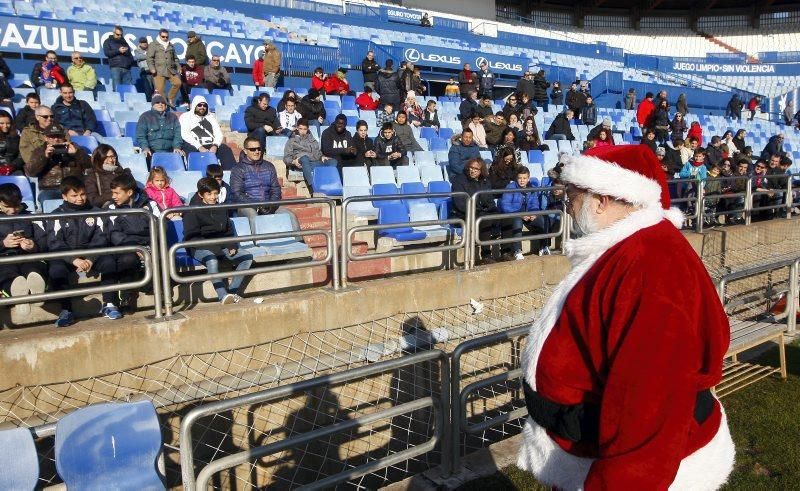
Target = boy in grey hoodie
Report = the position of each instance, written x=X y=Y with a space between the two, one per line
x=302 y=151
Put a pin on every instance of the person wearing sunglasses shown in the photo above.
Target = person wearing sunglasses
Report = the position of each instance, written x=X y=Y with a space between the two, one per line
x=163 y=64
x=81 y=75
x=32 y=136
x=120 y=58
x=57 y=159
x=200 y=132
x=48 y=73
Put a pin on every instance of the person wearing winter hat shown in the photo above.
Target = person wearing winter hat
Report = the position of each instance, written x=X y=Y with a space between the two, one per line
x=312 y=108
x=621 y=362
x=607 y=125
x=201 y=132
x=159 y=130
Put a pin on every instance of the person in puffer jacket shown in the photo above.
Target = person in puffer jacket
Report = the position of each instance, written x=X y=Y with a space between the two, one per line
x=302 y=151
x=389 y=148
x=388 y=85
x=159 y=190
x=525 y=200
x=159 y=130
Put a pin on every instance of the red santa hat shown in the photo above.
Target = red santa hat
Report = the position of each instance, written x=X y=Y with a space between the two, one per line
x=631 y=173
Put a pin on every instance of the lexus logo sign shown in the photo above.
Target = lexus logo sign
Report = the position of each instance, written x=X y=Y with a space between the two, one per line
x=412 y=55
x=481 y=60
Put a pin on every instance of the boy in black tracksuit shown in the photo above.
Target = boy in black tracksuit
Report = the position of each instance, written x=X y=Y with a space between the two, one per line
x=80 y=233
x=127 y=230
x=20 y=238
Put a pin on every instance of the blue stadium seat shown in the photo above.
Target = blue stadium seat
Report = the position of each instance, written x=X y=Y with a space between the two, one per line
x=223 y=93
x=137 y=163
x=108 y=128
x=535 y=157
x=423 y=212
x=169 y=161
x=124 y=117
x=391 y=213
x=111 y=444
x=185 y=183
x=276 y=145
x=102 y=115
x=19 y=462
x=359 y=208
x=241 y=228
x=214 y=101
x=88 y=143
x=349 y=102
x=430 y=173
x=198 y=91
x=423 y=159
x=134 y=98
x=130 y=130
x=122 y=144
x=326 y=180
x=442 y=203
x=174 y=235
x=428 y=132
x=381 y=174
x=437 y=144
x=445 y=133
x=384 y=190
x=201 y=160
x=49 y=205
x=237 y=123
x=277 y=223
x=109 y=98
x=22 y=183
x=126 y=88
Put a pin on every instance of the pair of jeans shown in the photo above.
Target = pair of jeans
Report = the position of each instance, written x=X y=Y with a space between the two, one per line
x=241 y=260
x=309 y=166
x=558 y=136
x=271 y=80
x=120 y=76
x=146 y=81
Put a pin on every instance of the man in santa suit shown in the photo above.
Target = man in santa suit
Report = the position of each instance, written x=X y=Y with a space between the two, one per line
x=619 y=366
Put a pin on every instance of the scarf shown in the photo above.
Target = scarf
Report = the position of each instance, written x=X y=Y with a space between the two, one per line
x=467 y=75
x=164 y=44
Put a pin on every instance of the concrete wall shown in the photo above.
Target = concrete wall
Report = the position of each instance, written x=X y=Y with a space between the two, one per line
x=476 y=9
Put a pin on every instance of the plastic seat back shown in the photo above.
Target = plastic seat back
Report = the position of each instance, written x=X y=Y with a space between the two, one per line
x=381 y=174
x=407 y=173
x=171 y=162
x=428 y=132
x=22 y=183
x=88 y=143
x=271 y=224
x=199 y=161
x=19 y=462
x=355 y=176
x=423 y=159
x=326 y=180
x=430 y=173
x=185 y=183
x=384 y=190
x=276 y=145
x=237 y=123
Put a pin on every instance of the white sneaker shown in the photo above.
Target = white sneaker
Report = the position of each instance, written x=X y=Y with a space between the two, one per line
x=228 y=299
x=518 y=256
x=19 y=288
x=544 y=251
x=236 y=298
x=35 y=283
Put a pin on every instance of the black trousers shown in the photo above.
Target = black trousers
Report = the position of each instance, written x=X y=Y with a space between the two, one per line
x=105 y=266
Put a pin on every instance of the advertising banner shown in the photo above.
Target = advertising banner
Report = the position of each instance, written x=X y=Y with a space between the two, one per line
x=454 y=58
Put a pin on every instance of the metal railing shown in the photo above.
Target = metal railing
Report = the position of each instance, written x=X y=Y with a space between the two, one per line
x=727 y=197
x=169 y=267
x=149 y=256
x=348 y=232
x=695 y=198
x=441 y=430
x=563 y=228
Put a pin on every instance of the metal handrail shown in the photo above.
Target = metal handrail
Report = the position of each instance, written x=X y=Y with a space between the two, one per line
x=150 y=257
x=727 y=196
x=349 y=232
x=169 y=269
x=441 y=407
x=697 y=199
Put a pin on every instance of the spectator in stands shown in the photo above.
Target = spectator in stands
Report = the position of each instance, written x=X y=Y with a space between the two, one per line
x=261 y=119
x=366 y=101
x=661 y=122
x=734 y=109
x=288 y=95
x=105 y=167
x=713 y=187
x=200 y=132
x=145 y=73
x=159 y=130
x=419 y=84
x=485 y=108
x=413 y=110
x=159 y=190
x=425 y=21
x=369 y=68
x=403 y=130
x=365 y=147
x=312 y=108
x=681 y=106
x=753 y=106
x=674 y=156
x=197 y=48
x=514 y=122
x=430 y=117
x=48 y=74
x=473 y=178
x=191 y=77
x=27 y=115
x=788 y=113
x=504 y=168
x=56 y=160
x=288 y=118
x=576 y=99
x=662 y=96
x=337 y=142
x=528 y=138
x=318 y=79
x=691 y=144
x=525 y=200
x=451 y=89
x=525 y=84
x=303 y=152
x=714 y=151
x=606 y=124
x=540 y=86
x=120 y=59
x=485 y=81
x=216 y=76
x=696 y=132
x=20 y=237
x=556 y=96
x=494 y=126
x=589 y=112
x=75 y=115
x=677 y=126
x=79 y=233
x=214 y=171
x=630 y=99
x=603 y=139
x=213 y=224
x=10 y=161
x=559 y=128
x=774 y=147
x=761 y=185
x=736 y=187
x=511 y=106
x=129 y=230
x=389 y=148
x=695 y=168
x=33 y=135
x=385 y=115
x=272 y=64
x=649 y=139
x=406 y=74
x=163 y=64
x=738 y=140
x=337 y=84
x=527 y=108
x=508 y=140
x=388 y=85
x=467 y=81
x=645 y=112
x=80 y=74
x=478 y=132
x=468 y=107
x=728 y=147
x=462 y=151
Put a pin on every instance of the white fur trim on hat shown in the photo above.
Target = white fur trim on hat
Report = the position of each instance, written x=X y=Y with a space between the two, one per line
x=609 y=179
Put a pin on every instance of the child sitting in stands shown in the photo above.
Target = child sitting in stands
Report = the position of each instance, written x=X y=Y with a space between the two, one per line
x=211 y=224
x=159 y=190
x=525 y=200
x=79 y=234
x=214 y=171
x=20 y=238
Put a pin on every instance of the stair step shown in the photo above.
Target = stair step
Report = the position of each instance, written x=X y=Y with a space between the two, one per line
x=315 y=223
x=307 y=212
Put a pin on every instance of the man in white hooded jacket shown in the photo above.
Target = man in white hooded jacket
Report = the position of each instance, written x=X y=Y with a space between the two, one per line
x=200 y=132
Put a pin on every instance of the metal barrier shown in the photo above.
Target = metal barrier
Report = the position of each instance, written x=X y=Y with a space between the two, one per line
x=170 y=270
x=728 y=197
x=563 y=229
x=697 y=199
x=150 y=258
x=441 y=429
x=348 y=233
x=459 y=397
x=787 y=199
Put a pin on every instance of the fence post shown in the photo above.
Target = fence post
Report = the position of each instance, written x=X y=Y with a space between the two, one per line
x=789 y=196
x=155 y=258
x=164 y=257
x=792 y=297
x=701 y=206
x=334 y=247
x=748 y=202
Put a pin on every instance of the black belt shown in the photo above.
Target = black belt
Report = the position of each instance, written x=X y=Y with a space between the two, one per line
x=581 y=422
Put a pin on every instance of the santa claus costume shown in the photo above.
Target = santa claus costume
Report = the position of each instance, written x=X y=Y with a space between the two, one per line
x=619 y=365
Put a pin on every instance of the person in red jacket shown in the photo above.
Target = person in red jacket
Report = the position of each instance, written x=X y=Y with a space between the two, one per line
x=337 y=84
x=618 y=367
x=753 y=106
x=318 y=79
x=258 y=72
x=646 y=111
x=365 y=101
x=695 y=130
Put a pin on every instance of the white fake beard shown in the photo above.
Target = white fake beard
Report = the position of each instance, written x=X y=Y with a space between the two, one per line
x=584 y=223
